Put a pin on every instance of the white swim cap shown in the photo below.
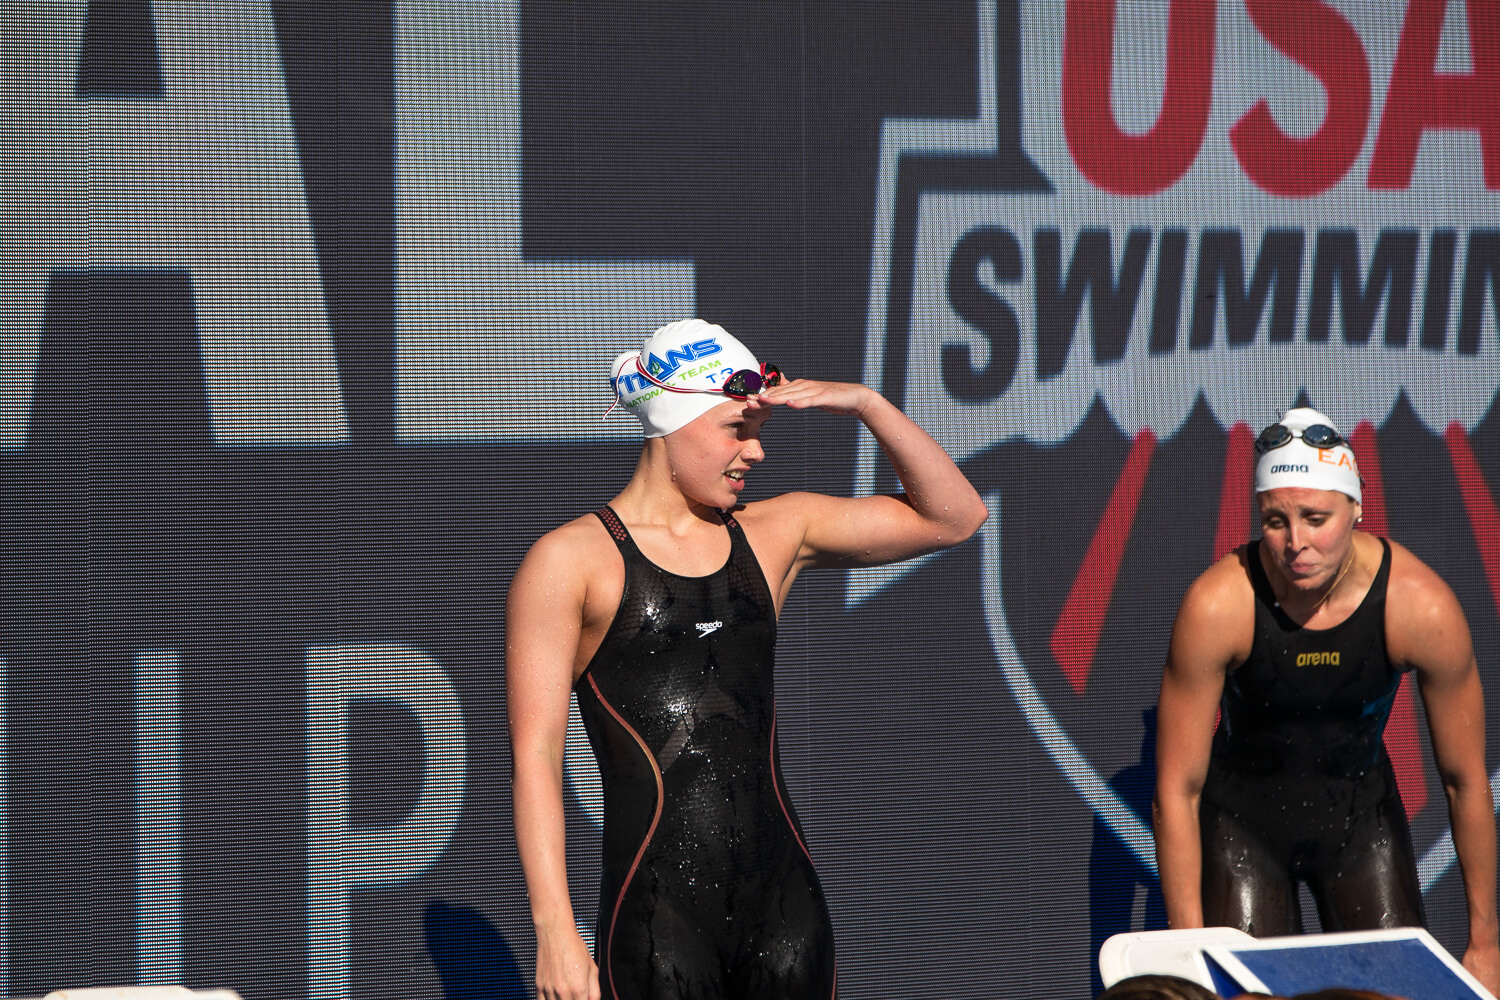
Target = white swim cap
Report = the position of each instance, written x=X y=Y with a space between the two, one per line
x=687 y=354
x=1287 y=459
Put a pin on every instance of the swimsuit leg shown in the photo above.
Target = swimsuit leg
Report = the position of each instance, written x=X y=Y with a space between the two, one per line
x=789 y=955
x=1373 y=883
x=1246 y=883
x=661 y=952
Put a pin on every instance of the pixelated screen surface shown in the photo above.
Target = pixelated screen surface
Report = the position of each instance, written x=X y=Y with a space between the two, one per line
x=307 y=315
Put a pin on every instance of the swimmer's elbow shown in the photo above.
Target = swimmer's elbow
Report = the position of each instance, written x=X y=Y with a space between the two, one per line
x=969 y=520
x=942 y=527
x=1459 y=784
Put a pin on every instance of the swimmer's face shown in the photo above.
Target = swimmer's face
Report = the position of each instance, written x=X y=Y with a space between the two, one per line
x=1308 y=533
x=710 y=456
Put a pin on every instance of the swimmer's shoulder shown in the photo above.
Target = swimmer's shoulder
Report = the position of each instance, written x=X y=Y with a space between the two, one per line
x=1219 y=606
x=1227 y=580
x=1420 y=605
x=1411 y=576
x=576 y=549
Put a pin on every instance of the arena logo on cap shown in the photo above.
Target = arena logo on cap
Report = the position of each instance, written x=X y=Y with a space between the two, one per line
x=1283 y=212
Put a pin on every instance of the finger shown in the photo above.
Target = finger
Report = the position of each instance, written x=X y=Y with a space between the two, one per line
x=803 y=390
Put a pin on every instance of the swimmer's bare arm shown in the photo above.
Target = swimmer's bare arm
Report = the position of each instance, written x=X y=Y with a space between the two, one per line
x=938 y=509
x=544 y=618
x=1213 y=630
x=1426 y=630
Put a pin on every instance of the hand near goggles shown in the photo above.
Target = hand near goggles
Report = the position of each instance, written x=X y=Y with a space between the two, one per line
x=769 y=387
x=844 y=398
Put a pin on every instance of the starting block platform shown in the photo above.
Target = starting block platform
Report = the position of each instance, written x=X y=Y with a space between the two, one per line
x=1405 y=962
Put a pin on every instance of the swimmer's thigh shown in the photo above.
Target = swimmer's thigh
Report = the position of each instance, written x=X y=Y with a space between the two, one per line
x=790 y=954
x=661 y=953
x=1246 y=883
x=1373 y=882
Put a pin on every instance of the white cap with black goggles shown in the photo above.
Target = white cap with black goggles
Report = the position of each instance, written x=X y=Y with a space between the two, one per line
x=1305 y=450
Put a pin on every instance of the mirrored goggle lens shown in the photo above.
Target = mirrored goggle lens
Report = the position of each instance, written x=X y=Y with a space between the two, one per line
x=1322 y=436
x=748 y=381
x=1272 y=437
x=1317 y=435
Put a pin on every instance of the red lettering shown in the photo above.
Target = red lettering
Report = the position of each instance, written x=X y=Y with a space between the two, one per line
x=1421 y=98
x=1107 y=156
x=1318 y=38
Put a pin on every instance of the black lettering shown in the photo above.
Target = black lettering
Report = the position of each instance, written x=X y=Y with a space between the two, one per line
x=1166 y=309
x=1393 y=268
x=1481 y=268
x=1435 y=300
x=1269 y=295
x=118 y=366
x=999 y=250
x=1091 y=272
x=118 y=58
x=1221 y=264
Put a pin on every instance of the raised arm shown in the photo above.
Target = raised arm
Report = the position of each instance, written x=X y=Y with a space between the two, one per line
x=544 y=614
x=1430 y=635
x=938 y=509
x=1211 y=627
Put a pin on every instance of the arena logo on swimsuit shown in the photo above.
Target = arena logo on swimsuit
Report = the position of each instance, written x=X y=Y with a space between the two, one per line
x=1303 y=205
x=1325 y=659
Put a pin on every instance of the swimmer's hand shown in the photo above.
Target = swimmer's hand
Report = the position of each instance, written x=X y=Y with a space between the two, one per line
x=1483 y=964
x=564 y=968
x=845 y=398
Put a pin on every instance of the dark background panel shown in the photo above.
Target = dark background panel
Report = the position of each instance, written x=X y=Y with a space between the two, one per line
x=958 y=858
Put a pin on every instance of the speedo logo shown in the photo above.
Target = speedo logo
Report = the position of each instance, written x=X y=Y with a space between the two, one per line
x=1325 y=659
x=706 y=629
x=1288 y=468
x=665 y=367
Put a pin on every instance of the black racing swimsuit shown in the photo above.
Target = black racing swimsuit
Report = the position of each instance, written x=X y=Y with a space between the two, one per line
x=1299 y=786
x=707 y=888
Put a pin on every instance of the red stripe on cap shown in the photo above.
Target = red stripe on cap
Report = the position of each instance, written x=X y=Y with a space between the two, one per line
x=1075 y=639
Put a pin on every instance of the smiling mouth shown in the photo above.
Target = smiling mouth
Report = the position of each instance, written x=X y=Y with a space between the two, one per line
x=738 y=477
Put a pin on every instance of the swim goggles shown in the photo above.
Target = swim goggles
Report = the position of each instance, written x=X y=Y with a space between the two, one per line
x=1316 y=435
x=742 y=384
